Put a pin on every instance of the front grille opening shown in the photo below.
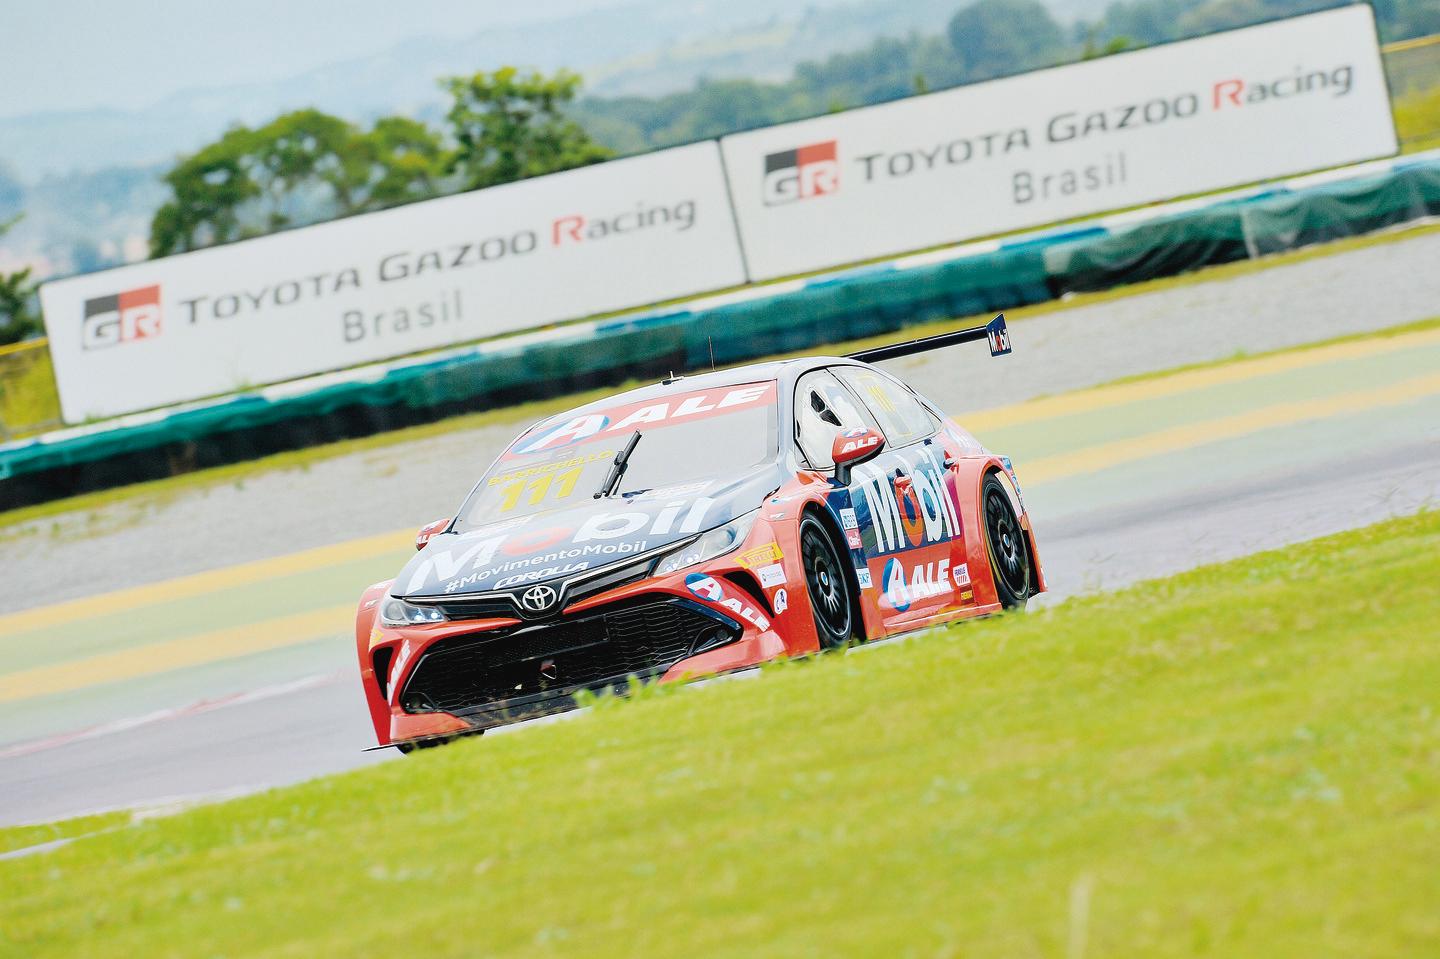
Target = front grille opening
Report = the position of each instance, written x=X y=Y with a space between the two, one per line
x=508 y=674
x=751 y=585
x=380 y=662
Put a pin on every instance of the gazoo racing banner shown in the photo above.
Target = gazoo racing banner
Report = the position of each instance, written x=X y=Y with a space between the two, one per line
x=1219 y=111
x=433 y=274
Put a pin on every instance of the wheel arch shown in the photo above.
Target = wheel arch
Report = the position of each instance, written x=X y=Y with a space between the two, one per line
x=828 y=521
x=996 y=467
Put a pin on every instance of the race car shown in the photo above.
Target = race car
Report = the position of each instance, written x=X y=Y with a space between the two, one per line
x=705 y=524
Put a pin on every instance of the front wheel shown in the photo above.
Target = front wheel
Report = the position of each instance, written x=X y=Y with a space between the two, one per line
x=1006 y=544
x=825 y=580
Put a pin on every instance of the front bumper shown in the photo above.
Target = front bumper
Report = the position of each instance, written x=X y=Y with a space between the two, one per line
x=458 y=680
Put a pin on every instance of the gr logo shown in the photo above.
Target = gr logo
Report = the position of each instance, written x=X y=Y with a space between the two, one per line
x=801 y=174
x=121 y=318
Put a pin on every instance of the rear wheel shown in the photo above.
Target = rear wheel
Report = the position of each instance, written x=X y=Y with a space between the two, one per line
x=1006 y=543
x=825 y=580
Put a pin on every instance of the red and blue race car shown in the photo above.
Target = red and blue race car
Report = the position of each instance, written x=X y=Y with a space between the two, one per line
x=705 y=524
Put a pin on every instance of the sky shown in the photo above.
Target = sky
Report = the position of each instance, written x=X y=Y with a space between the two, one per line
x=81 y=54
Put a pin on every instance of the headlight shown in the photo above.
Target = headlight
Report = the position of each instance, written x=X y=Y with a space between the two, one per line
x=397 y=612
x=717 y=542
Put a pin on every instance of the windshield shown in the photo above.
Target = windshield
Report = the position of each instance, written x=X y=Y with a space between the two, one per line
x=685 y=438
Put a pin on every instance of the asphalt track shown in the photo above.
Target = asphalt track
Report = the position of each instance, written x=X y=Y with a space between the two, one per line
x=242 y=676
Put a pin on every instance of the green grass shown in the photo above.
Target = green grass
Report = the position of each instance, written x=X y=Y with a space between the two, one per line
x=21 y=837
x=1239 y=761
x=141 y=497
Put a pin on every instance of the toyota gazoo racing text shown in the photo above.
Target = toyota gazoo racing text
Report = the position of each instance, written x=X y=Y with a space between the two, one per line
x=705 y=524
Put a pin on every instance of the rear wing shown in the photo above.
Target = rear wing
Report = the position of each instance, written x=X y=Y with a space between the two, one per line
x=995 y=332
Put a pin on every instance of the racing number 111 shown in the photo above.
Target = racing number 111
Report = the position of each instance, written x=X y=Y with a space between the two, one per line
x=539 y=488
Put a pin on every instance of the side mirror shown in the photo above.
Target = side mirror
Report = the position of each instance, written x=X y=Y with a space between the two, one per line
x=429 y=530
x=853 y=447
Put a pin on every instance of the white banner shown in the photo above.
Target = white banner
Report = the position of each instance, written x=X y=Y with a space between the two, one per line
x=352 y=291
x=1219 y=111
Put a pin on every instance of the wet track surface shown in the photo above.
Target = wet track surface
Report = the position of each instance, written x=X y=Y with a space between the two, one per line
x=1211 y=465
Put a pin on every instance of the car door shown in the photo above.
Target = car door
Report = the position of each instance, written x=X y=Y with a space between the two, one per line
x=907 y=494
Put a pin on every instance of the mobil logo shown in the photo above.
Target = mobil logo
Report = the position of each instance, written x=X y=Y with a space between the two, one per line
x=907 y=500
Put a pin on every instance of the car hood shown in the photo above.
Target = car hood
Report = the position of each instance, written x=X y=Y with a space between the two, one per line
x=558 y=544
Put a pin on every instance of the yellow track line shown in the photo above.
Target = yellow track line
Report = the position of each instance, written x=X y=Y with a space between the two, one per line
x=198 y=584
x=1106 y=455
x=194 y=650
x=1103 y=397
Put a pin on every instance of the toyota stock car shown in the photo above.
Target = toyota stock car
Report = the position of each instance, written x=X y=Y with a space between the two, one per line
x=705 y=524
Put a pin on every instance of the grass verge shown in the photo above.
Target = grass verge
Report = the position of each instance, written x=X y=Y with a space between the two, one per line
x=21 y=837
x=1241 y=760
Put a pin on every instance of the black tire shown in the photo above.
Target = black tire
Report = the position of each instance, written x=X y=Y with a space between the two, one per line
x=1006 y=544
x=827 y=584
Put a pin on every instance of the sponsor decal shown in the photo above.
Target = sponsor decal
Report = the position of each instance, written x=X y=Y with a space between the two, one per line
x=926 y=581
x=848 y=520
x=709 y=589
x=893 y=580
x=782 y=601
x=653 y=414
x=121 y=318
x=537 y=539
x=771 y=576
x=858 y=439
x=862 y=576
x=402 y=659
x=962 y=574
x=911 y=508
x=528 y=472
x=968 y=596
x=531 y=576
x=668 y=520
x=706 y=587
x=446 y=564
x=801 y=174
x=1014 y=481
x=376 y=634
x=760 y=556
x=560 y=562
x=852 y=539
x=998 y=335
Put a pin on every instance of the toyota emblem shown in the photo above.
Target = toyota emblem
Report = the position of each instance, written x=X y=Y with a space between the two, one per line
x=537 y=599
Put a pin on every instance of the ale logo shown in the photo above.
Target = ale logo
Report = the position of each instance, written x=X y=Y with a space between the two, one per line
x=121 y=318
x=801 y=174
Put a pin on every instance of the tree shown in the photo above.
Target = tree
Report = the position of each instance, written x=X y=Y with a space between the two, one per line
x=508 y=126
x=999 y=37
x=208 y=189
x=302 y=167
x=19 y=317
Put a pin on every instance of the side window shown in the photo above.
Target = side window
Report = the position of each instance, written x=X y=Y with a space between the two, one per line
x=824 y=408
x=902 y=417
